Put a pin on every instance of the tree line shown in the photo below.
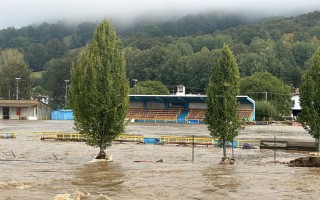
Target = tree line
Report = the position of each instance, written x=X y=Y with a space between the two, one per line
x=277 y=45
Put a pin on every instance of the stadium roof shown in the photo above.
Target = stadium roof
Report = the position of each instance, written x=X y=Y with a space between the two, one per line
x=177 y=98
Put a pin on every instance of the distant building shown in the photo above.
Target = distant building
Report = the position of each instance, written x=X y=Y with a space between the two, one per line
x=296 y=108
x=43 y=99
x=24 y=109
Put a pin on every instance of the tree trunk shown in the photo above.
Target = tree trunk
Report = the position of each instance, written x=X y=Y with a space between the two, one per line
x=224 y=148
x=319 y=145
x=101 y=155
x=232 y=149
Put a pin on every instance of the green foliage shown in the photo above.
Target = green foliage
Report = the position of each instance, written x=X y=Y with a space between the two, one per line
x=99 y=89
x=38 y=91
x=54 y=76
x=223 y=87
x=150 y=88
x=263 y=86
x=178 y=51
x=83 y=34
x=12 y=66
x=203 y=23
x=309 y=97
x=265 y=111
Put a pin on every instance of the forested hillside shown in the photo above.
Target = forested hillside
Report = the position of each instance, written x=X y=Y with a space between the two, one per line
x=173 y=52
x=281 y=46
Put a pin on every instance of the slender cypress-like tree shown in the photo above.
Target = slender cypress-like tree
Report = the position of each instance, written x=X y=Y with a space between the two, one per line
x=222 y=91
x=309 y=98
x=99 y=89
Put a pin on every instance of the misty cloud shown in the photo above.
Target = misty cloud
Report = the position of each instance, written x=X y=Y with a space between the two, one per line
x=24 y=12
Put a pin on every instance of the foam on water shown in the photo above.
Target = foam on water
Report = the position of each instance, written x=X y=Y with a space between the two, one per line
x=80 y=195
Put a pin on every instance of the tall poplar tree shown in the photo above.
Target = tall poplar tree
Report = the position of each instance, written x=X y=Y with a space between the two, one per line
x=99 y=89
x=309 y=98
x=222 y=91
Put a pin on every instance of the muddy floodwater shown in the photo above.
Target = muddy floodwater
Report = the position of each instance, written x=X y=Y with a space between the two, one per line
x=35 y=169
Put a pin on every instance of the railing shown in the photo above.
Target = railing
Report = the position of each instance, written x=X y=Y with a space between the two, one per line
x=186 y=140
x=62 y=136
x=130 y=138
x=122 y=138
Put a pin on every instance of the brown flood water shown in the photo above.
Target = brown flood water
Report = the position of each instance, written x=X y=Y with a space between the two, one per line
x=35 y=173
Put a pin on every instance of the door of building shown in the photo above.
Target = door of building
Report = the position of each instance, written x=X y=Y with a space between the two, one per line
x=6 y=113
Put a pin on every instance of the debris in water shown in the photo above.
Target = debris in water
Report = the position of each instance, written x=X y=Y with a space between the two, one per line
x=308 y=161
x=159 y=160
x=248 y=146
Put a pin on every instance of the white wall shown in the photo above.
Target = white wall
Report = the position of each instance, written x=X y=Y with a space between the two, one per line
x=296 y=105
x=13 y=113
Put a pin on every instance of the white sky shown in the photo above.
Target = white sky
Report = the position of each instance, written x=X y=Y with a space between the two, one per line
x=19 y=13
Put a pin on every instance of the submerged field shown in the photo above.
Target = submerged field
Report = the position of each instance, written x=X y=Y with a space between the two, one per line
x=34 y=169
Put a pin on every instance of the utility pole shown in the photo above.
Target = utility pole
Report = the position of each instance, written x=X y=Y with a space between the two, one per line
x=66 y=96
x=17 y=96
x=266 y=96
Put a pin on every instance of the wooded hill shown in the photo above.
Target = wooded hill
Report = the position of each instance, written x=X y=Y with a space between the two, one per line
x=176 y=52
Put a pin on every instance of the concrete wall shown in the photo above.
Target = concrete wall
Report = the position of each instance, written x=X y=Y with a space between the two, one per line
x=155 y=105
x=245 y=106
x=32 y=113
x=136 y=105
x=197 y=106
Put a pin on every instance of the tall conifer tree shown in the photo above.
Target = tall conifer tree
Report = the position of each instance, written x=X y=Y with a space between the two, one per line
x=309 y=98
x=99 y=89
x=222 y=91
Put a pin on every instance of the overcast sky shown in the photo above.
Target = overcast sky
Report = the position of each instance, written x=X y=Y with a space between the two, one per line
x=19 y=13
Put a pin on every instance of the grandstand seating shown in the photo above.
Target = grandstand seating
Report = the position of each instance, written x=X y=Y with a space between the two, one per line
x=199 y=114
x=172 y=114
x=196 y=114
x=153 y=114
x=244 y=114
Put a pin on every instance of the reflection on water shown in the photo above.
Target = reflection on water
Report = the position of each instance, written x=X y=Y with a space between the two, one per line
x=222 y=180
x=36 y=174
x=100 y=177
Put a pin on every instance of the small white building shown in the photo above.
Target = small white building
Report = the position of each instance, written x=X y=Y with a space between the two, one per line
x=296 y=108
x=24 y=109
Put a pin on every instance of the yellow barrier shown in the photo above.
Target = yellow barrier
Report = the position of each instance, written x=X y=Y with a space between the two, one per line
x=129 y=138
x=186 y=140
x=80 y=137
x=62 y=136
x=8 y=135
x=140 y=138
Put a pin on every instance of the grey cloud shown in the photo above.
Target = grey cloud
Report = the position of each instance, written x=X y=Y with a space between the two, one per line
x=24 y=12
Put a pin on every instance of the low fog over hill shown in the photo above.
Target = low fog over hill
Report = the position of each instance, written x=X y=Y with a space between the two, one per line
x=20 y=13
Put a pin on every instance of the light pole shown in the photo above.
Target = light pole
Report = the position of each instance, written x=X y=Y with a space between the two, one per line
x=66 y=96
x=17 y=96
x=135 y=82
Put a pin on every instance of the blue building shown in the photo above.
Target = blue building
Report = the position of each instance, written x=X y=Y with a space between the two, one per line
x=62 y=115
